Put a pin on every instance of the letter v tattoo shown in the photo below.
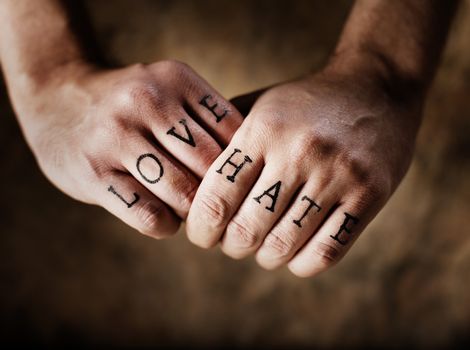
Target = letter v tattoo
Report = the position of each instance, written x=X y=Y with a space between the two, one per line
x=189 y=137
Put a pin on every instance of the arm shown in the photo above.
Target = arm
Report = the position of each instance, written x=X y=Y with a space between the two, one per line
x=135 y=140
x=325 y=151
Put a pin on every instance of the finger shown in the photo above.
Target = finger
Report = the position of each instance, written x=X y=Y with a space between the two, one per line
x=160 y=174
x=218 y=116
x=298 y=224
x=265 y=203
x=334 y=237
x=127 y=199
x=187 y=141
x=221 y=191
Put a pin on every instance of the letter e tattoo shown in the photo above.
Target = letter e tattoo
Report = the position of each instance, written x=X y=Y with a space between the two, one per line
x=212 y=108
x=344 y=228
x=238 y=167
x=276 y=188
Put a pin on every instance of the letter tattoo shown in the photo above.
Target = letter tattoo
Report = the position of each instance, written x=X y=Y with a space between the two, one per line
x=151 y=156
x=238 y=167
x=344 y=228
x=129 y=204
x=189 y=139
x=212 y=108
x=311 y=204
x=276 y=187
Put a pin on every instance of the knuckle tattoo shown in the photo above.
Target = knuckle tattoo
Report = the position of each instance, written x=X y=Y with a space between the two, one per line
x=128 y=203
x=156 y=161
x=219 y=112
x=345 y=231
x=188 y=139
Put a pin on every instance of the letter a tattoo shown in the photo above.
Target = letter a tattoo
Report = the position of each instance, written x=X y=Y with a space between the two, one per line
x=276 y=187
x=238 y=167
x=218 y=117
x=189 y=139
x=129 y=204
x=344 y=228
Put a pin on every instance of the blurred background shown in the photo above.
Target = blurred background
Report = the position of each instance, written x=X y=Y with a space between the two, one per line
x=72 y=273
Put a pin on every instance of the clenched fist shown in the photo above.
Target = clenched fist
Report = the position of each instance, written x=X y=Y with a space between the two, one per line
x=309 y=168
x=135 y=140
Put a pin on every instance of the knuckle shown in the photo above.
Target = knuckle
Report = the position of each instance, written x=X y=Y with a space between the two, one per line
x=360 y=169
x=313 y=146
x=215 y=209
x=149 y=218
x=240 y=235
x=325 y=254
x=300 y=271
x=171 y=68
x=280 y=244
x=96 y=168
x=372 y=194
x=376 y=191
x=137 y=93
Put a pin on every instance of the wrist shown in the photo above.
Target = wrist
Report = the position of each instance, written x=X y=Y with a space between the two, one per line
x=39 y=79
x=34 y=98
x=377 y=71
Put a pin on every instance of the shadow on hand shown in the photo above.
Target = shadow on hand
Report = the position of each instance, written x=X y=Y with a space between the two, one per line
x=245 y=102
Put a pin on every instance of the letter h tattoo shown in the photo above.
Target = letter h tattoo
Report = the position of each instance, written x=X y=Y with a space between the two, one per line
x=237 y=167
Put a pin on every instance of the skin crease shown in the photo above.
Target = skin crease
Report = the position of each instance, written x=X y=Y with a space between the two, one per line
x=89 y=126
x=92 y=126
x=342 y=137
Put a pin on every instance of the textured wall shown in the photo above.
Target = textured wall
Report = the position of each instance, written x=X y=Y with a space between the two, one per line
x=72 y=273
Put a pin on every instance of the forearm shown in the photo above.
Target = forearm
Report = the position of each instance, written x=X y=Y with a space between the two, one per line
x=36 y=39
x=401 y=39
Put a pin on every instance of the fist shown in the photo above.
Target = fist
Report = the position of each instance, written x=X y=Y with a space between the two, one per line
x=135 y=140
x=312 y=164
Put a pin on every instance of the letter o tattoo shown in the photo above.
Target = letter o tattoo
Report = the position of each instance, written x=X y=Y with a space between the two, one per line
x=149 y=155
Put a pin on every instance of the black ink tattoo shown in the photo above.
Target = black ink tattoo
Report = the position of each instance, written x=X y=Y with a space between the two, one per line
x=189 y=139
x=238 y=167
x=344 y=228
x=129 y=204
x=311 y=204
x=212 y=108
x=276 y=188
x=151 y=156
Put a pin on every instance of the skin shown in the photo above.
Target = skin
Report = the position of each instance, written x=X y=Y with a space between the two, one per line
x=110 y=136
x=312 y=164
x=342 y=137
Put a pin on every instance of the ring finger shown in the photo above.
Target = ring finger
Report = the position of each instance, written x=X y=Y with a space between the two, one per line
x=160 y=174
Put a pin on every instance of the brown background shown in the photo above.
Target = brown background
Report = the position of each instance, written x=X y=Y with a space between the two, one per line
x=73 y=273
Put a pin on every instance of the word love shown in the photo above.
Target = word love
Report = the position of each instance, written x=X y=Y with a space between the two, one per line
x=272 y=194
x=181 y=133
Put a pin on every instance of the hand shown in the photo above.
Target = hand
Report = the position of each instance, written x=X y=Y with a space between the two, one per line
x=310 y=167
x=134 y=140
